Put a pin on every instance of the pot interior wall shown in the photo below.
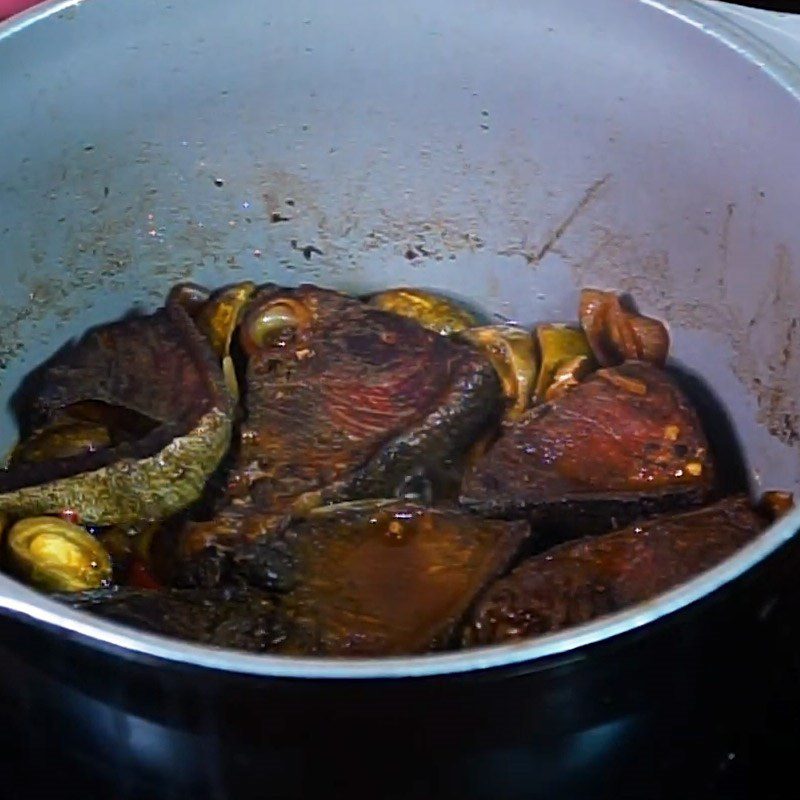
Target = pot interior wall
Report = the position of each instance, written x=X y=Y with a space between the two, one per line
x=506 y=152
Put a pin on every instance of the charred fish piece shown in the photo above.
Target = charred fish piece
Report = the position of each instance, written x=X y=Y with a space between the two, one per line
x=343 y=401
x=109 y=443
x=199 y=553
x=378 y=578
x=235 y=617
x=623 y=443
x=578 y=581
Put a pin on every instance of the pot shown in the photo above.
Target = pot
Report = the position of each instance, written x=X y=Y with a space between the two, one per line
x=507 y=154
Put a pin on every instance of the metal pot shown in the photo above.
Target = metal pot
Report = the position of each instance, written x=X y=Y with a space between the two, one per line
x=507 y=153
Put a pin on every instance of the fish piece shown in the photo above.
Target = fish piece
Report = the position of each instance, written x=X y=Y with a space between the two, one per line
x=378 y=578
x=344 y=401
x=356 y=399
x=578 y=581
x=624 y=442
x=166 y=436
x=198 y=553
x=235 y=617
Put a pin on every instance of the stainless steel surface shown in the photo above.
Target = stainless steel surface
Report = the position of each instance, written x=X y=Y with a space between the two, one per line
x=781 y=29
x=144 y=143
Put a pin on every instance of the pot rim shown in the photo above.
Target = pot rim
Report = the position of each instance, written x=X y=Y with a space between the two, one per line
x=23 y=602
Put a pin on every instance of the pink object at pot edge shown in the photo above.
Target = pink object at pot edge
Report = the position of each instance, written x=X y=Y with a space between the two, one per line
x=9 y=7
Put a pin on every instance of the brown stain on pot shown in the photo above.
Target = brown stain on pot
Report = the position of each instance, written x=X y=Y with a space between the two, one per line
x=533 y=255
x=774 y=382
x=349 y=230
x=346 y=233
x=771 y=376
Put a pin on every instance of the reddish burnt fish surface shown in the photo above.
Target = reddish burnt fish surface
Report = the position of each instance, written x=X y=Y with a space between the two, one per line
x=343 y=401
x=379 y=579
x=578 y=581
x=625 y=442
